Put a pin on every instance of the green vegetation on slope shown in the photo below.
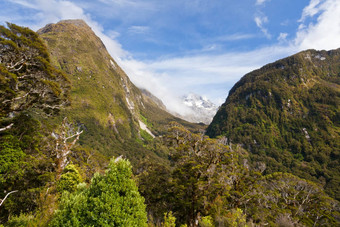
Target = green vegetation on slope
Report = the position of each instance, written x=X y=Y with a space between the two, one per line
x=47 y=179
x=103 y=100
x=211 y=183
x=287 y=114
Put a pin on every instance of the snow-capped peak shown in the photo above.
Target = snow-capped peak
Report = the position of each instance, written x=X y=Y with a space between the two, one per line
x=203 y=110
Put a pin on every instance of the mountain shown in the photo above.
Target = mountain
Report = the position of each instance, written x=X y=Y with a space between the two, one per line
x=114 y=113
x=201 y=109
x=148 y=95
x=48 y=177
x=287 y=114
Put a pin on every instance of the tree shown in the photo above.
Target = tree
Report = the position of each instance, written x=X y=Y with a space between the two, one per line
x=69 y=179
x=65 y=138
x=153 y=184
x=299 y=200
x=111 y=199
x=203 y=170
x=27 y=78
x=169 y=220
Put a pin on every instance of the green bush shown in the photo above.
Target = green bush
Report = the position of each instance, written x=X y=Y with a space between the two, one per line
x=20 y=221
x=111 y=199
x=69 y=179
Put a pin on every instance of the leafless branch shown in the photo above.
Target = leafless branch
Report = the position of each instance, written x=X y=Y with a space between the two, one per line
x=3 y=200
x=7 y=127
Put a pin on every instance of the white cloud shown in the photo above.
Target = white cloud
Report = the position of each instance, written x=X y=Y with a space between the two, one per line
x=207 y=74
x=260 y=21
x=235 y=37
x=261 y=2
x=186 y=73
x=310 y=10
x=325 y=32
x=282 y=37
x=138 y=29
x=53 y=11
x=144 y=77
x=113 y=34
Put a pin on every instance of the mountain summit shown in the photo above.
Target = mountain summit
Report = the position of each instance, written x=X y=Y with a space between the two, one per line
x=202 y=109
x=114 y=112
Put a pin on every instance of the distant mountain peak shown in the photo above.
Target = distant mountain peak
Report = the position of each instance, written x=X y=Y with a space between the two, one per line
x=202 y=109
x=198 y=101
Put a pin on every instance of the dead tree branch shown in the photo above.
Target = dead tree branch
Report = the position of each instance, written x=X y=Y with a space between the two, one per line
x=3 y=200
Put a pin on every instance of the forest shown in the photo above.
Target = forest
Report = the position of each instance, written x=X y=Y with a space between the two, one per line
x=50 y=177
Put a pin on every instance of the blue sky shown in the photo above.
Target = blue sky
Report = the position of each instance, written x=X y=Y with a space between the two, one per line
x=173 y=47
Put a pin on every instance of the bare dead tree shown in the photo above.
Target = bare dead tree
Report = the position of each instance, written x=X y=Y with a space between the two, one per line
x=65 y=139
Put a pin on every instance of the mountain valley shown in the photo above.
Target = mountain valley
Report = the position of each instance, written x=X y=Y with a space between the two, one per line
x=81 y=145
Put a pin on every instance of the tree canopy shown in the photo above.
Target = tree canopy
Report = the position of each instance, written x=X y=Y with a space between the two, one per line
x=27 y=78
x=112 y=199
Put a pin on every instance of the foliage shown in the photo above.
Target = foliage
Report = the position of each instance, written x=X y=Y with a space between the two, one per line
x=169 y=220
x=203 y=169
x=203 y=181
x=22 y=220
x=25 y=168
x=234 y=218
x=304 y=201
x=153 y=184
x=27 y=76
x=99 y=94
x=210 y=179
x=69 y=179
x=111 y=199
x=11 y=158
x=145 y=135
x=286 y=114
x=206 y=221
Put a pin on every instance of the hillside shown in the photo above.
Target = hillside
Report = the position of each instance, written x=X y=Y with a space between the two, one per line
x=48 y=177
x=287 y=114
x=103 y=99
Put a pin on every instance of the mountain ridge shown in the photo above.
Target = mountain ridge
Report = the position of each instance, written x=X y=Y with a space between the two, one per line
x=103 y=98
x=287 y=114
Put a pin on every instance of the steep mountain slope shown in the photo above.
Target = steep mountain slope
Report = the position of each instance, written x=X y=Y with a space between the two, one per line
x=103 y=99
x=287 y=114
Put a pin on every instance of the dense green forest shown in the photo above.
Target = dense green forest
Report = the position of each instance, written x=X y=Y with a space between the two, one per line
x=287 y=115
x=64 y=155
